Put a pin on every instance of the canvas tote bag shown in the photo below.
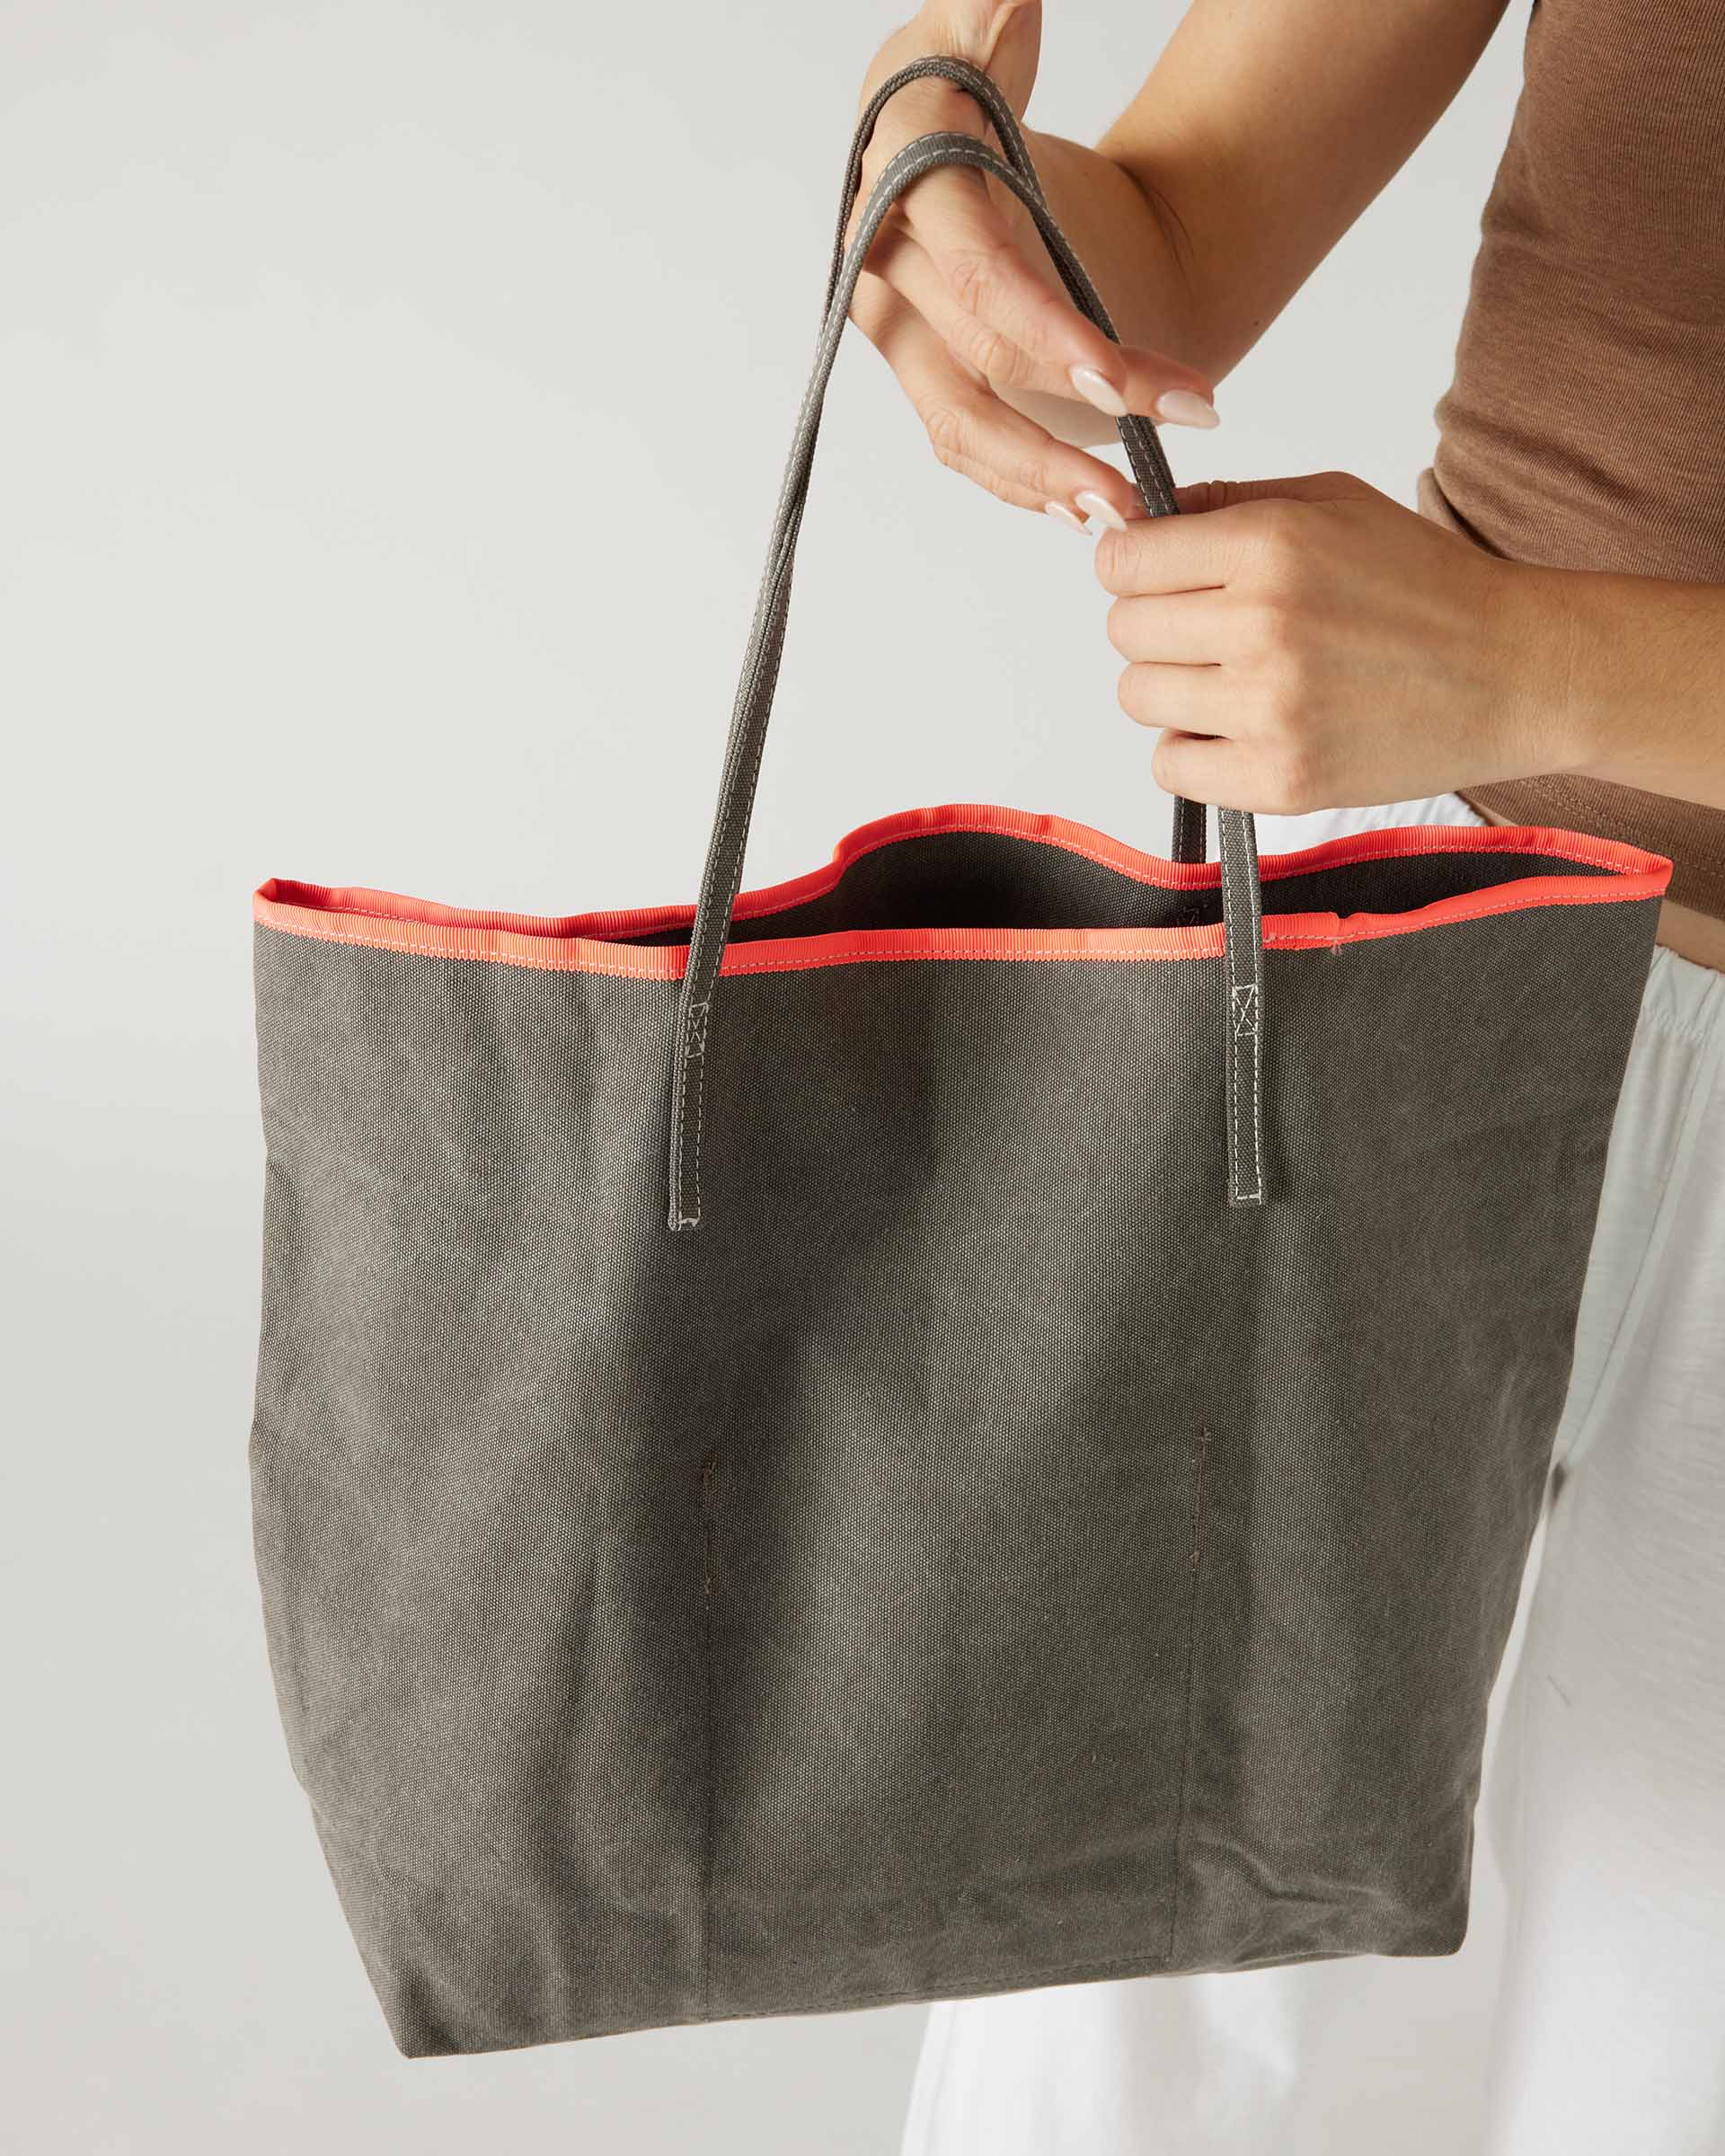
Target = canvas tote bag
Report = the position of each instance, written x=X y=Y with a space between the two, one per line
x=1046 y=1500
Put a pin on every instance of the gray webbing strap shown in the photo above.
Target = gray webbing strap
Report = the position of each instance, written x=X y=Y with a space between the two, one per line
x=722 y=874
x=1188 y=829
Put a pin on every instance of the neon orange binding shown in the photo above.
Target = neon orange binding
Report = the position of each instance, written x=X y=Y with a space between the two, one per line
x=600 y=943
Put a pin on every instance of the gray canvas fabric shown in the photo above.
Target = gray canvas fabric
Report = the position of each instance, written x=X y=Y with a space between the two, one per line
x=980 y=1555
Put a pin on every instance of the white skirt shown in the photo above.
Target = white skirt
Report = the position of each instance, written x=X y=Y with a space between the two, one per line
x=1585 y=2010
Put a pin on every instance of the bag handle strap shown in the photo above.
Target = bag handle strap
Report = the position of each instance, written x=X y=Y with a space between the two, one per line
x=1143 y=449
x=982 y=87
x=721 y=876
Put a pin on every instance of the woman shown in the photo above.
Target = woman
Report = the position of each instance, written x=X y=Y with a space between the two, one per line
x=1545 y=644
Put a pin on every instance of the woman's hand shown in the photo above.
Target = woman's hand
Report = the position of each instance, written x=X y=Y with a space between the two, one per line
x=961 y=300
x=1308 y=643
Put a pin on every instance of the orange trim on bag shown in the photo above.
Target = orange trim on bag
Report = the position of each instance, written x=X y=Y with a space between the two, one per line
x=600 y=943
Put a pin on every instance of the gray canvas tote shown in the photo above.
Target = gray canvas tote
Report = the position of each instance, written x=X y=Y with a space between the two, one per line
x=1041 y=1497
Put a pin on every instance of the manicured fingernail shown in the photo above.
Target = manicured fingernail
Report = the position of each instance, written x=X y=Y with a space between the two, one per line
x=1095 y=388
x=1186 y=408
x=1063 y=515
x=1102 y=508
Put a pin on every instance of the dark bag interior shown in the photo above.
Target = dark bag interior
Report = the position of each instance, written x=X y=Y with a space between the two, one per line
x=985 y=880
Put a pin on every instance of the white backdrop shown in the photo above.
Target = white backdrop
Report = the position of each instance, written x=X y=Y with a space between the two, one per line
x=395 y=395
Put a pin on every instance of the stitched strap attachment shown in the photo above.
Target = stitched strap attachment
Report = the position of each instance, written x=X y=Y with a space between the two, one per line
x=722 y=873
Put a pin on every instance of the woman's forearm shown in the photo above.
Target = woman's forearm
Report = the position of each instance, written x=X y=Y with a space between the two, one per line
x=1258 y=138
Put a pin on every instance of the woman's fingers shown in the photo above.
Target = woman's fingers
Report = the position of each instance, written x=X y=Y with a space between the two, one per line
x=974 y=433
x=962 y=298
x=1190 y=700
x=1193 y=552
x=966 y=256
x=977 y=273
x=930 y=107
x=1026 y=344
x=985 y=293
x=901 y=261
x=1208 y=768
x=956 y=256
x=1185 y=628
x=1189 y=706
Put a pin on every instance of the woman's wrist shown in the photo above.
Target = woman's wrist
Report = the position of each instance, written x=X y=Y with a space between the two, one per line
x=1118 y=236
x=1626 y=676
x=1542 y=719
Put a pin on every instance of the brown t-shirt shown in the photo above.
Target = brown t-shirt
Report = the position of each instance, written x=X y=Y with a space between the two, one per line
x=1585 y=427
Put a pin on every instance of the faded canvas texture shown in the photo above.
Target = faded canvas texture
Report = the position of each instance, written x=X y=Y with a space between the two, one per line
x=979 y=1557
